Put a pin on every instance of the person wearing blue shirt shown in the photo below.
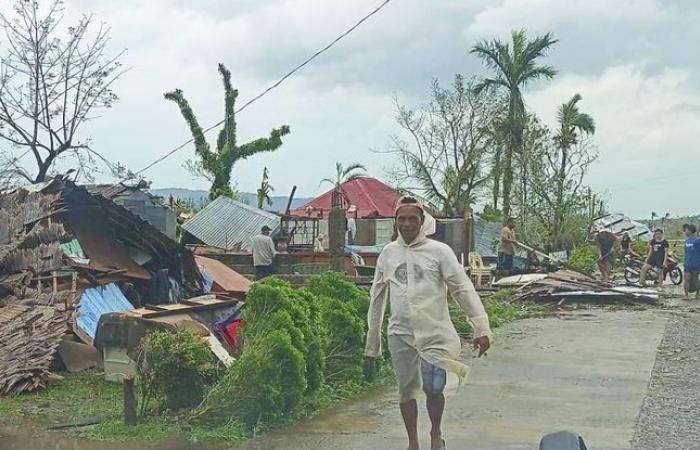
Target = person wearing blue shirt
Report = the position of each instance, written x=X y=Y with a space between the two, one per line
x=692 y=260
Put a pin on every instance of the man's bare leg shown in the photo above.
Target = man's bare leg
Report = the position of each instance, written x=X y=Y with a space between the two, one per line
x=661 y=276
x=436 y=406
x=686 y=283
x=409 y=412
x=643 y=275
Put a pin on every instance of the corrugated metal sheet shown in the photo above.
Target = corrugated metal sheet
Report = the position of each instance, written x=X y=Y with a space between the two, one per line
x=619 y=223
x=97 y=301
x=109 y=191
x=486 y=236
x=224 y=278
x=229 y=224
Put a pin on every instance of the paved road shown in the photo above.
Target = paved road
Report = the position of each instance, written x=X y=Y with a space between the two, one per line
x=670 y=417
x=585 y=371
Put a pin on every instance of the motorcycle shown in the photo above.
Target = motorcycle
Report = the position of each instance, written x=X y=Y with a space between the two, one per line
x=633 y=269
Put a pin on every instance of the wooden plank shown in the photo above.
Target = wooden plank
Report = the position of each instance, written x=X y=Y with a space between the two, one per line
x=155 y=308
x=167 y=312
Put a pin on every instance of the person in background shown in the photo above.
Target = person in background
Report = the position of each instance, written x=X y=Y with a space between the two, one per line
x=626 y=243
x=263 y=253
x=691 y=265
x=605 y=241
x=318 y=243
x=352 y=225
x=657 y=257
x=416 y=274
x=506 y=248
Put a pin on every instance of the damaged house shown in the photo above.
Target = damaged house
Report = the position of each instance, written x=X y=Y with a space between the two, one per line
x=62 y=245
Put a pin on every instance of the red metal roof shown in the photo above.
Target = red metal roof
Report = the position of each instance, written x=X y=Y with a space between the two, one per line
x=371 y=197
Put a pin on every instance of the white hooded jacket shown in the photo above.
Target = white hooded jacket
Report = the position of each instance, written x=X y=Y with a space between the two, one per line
x=417 y=279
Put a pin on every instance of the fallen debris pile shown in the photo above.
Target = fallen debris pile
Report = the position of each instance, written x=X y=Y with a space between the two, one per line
x=30 y=336
x=68 y=256
x=567 y=285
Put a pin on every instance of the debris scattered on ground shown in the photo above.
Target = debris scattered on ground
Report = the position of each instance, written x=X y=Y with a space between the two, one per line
x=565 y=285
x=30 y=336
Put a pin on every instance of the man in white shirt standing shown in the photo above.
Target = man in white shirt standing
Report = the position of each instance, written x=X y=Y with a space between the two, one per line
x=263 y=253
x=416 y=274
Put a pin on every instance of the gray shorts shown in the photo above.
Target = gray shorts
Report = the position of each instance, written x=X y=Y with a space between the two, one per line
x=412 y=371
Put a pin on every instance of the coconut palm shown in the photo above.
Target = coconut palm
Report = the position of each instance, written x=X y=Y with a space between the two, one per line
x=514 y=65
x=264 y=191
x=572 y=123
x=344 y=174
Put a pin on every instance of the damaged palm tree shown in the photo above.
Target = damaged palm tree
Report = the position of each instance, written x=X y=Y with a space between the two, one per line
x=216 y=165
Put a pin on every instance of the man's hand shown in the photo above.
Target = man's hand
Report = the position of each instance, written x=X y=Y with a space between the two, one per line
x=482 y=344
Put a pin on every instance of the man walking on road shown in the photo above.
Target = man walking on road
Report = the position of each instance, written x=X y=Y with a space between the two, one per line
x=691 y=263
x=416 y=274
x=263 y=253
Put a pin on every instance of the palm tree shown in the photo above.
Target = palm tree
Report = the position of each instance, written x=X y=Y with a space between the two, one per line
x=343 y=175
x=514 y=65
x=264 y=190
x=572 y=123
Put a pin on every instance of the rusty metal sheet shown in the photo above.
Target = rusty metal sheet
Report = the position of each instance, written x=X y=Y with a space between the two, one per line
x=227 y=279
x=102 y=249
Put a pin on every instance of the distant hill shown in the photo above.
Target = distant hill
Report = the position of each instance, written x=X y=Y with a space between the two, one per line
x=200 y=198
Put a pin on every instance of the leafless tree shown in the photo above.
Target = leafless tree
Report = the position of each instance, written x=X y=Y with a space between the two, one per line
x=51 y=84
x=560 y=199
x=448 y=145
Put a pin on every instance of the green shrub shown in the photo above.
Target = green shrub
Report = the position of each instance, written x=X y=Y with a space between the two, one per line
x=344 y=342
x=273 y=296
x=584 y=259
x=265 y=382
x=296 y=344
x=177 y=366
x=338 y=286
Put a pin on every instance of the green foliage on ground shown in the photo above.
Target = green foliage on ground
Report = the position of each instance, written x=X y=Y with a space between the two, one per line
x=297 y=343
x=177 y=366
x=584 y=259
x=498 y=308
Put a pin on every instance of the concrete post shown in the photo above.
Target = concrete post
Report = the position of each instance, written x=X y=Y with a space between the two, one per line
x=130 y=417
x=336 y=238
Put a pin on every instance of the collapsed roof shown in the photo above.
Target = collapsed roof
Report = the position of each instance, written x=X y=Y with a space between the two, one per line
x=57 y=241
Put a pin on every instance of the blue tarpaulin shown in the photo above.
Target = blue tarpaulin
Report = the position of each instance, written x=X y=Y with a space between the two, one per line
x=97 y=301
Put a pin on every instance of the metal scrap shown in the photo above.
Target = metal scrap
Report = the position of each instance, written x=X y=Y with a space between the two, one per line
x=566 y=284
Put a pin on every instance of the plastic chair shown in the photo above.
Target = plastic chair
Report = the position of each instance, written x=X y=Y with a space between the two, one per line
x=478 y=272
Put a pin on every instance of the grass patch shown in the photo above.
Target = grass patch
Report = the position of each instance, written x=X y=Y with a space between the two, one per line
x=77 y=395
x=85 y=394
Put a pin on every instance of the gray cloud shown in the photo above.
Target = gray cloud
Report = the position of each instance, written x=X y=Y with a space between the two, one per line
x=630 y=60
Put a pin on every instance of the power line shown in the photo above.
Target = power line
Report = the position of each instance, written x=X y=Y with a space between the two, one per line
x=273 y=86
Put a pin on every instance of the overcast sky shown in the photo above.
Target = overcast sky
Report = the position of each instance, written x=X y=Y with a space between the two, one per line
x=634 y=62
